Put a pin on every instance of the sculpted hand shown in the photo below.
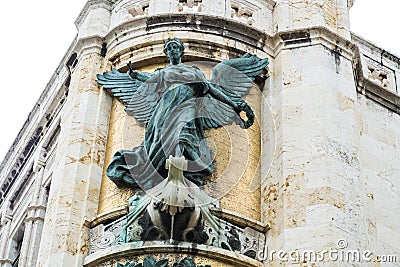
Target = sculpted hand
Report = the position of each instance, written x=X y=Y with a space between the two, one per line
x=132 y=73
x=243 y=106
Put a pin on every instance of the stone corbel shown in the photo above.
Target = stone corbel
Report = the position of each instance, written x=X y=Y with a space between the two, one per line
x=350 y=3
x=6 y=215
x=89 y=45
x=5 y=218
x=39 y=161
x=6 y=262
x=35 y=213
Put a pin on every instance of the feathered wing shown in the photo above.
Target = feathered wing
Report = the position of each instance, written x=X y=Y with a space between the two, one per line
x=234 y=78
x=214 y=113
x=136 y=95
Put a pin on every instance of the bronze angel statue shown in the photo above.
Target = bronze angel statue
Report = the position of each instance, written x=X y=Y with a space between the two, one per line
x=177 y=104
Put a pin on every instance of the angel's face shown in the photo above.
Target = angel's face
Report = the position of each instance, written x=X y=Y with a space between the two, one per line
x=173 y=51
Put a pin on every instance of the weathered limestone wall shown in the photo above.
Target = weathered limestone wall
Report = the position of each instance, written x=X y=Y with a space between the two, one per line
x=299 y=14
x=334 y=169
x=257 y=13
x=75 y=183
x=237 y=164
x=310 y=195
x=379 y=162
x=310 y=199
x=335 y=153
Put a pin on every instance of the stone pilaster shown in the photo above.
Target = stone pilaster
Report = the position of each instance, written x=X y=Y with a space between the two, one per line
x=75 y=186
x=6 y=218
x=33 y=224
x=310 y=196
x=94 y=19
x=74 y=192
x=35 y=216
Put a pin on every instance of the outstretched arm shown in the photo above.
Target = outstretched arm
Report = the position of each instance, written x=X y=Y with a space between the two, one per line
x=215 y=92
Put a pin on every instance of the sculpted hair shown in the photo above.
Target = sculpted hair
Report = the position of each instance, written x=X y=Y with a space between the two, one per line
x=174 y=40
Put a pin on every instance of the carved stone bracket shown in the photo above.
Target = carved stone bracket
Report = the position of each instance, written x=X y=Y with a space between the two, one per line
x=246 y=241
x=176 y=211
x=104 y=236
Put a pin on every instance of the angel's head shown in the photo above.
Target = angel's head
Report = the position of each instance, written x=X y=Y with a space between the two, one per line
x=173 y=48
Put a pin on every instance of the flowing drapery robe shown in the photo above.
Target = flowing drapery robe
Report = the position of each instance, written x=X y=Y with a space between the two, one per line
x=173 y=129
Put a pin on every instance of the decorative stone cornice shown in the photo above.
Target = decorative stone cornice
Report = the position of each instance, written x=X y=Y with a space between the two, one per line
x=5 y=217
x=312 y=36
x=36 y=208
x=89 y=45
x=239 y=219
x=209 y=24
x=34 y=219
x=35 y=213
x=269 y=3
x=372 y=90
x=156 y=247
x=109 y=215
x=150 y=260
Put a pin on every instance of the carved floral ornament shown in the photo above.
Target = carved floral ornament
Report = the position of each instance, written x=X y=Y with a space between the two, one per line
x=379 y=74
x=151 y=262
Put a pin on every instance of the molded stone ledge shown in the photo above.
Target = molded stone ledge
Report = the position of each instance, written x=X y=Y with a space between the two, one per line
x=145 y=50
x=109 y=215
x=240 y=235
x=88 y=45
x=313 y=36
x=260 y=15
x=156 y=247
x=239 y=219
x=228 y=215
x=195 y=23
x=379 y=94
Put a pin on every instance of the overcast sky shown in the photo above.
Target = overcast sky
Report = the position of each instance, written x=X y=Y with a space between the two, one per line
x=36 y=34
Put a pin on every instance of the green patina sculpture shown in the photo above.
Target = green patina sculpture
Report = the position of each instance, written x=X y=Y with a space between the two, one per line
x=177 y=104
x=151 y=262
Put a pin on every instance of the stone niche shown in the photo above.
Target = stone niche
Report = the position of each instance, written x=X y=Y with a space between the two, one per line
x=236 y=152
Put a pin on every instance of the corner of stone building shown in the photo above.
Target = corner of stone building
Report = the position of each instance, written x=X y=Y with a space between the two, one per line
x=94 y=19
